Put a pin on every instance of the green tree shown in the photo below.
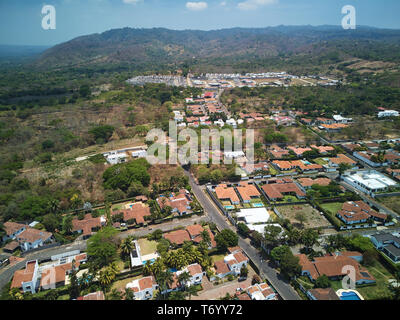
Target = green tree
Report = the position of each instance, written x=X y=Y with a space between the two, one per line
x=102 y=247
x=322 y=282
x=225 y=239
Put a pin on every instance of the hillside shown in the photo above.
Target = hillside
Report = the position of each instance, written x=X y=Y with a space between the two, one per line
x=235 y=49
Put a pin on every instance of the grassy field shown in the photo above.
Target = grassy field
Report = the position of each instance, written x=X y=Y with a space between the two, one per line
x=147 y=247
x=332 y=209
x=313 y=218
x=392 y=203
x=121 y=284
x=320 y=161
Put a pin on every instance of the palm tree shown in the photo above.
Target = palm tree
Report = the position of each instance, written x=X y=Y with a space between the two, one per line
x=127 y=246
x=164 y=279
x=191 y=291
x=183 y=278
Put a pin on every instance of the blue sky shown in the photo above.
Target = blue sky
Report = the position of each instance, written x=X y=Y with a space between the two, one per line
x=21 y=19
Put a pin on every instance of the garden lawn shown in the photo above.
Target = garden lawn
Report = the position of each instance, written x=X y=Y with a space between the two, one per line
x=147 y=247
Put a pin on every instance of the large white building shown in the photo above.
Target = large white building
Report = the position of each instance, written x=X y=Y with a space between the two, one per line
x=388 y=113
x=115 y=157
x=369 y=182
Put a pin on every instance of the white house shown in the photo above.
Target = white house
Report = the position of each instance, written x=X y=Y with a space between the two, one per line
x=388 y=113
x=32 y=238
x=340 y=119
x=139 y=154
x=219 y=122
x=115 y=157
x=231 y=122
x=235 y=262
x=143 y=288
x=27 y=279
x=261 y=291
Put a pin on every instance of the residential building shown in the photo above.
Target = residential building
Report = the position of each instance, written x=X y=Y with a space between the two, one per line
x=12 y=229
x=359 y=212
x=335 y=267
x=388 y=113
x=134 y=213
x=115 y=157
x=225 y=193
x=143 y=288
x=88 y=225
x=32 y=238
x=261 y=291
x=369 y=181
x=180 y=203
x=307 y=183
x=247 y=192
x=95 y=296
x=277 y=189
x=389 y=244
x=27 y=279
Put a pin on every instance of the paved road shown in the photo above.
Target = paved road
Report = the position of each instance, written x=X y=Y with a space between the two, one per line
x=282 y=287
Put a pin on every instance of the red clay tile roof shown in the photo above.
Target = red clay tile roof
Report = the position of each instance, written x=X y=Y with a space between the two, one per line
x=247 y=191
x=12 y=227
x=308 y=182
x=178 y=237
x=341 y=158
x=32 y=235
x=194 y=230
x=25 y=275
x=223 y=192
x=99 y=295
x=221 y=267
x=194 y=269
x=277 y=190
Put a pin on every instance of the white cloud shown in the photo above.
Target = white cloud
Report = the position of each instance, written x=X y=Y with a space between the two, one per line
x=254 y=4
x=223 y=3
x=196 y=6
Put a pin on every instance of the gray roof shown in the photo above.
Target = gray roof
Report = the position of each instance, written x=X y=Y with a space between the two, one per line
x=384 y=237
x=393 y=250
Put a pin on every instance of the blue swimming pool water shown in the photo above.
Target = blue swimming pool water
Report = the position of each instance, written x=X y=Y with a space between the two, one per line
x=349 y=296
x=151 y=261
x=258 y=205
x=230 y=207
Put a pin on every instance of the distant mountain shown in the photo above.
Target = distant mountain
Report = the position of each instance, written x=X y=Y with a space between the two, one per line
x=9 y=51
x=146 y=49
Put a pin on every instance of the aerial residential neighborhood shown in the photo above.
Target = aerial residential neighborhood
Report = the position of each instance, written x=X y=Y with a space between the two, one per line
x=171 y=153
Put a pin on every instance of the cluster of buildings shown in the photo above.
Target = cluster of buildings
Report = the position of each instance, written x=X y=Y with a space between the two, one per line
x=180 y=203
x=47 y=276
x=192 y=233
x=354 y=212
x=337 y=123
x=24 y=237
x=124 y=155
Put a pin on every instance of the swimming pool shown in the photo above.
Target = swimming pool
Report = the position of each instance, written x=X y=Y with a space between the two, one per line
x=258 y=205
x=151 y=261
x=349 y=296
x=230 y=207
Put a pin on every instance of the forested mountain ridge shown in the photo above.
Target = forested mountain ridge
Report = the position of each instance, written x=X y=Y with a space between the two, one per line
x=221 y=48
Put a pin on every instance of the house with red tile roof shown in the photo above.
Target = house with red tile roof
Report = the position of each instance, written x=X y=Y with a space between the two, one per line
x=143 y=288
x=341 y=158
x=177 y=237
x=27 y=280
x=88 y=225
x=180 y=202
x=136 y=213
x=359 y=212
x=299 y=151
x=307 y=183
x=32 y=238
x=231 y=265
x=261 y=291
x=323 y=149
x=277 y=191
x=322 y=294
x=247 y=192
x=12 y=229
x=335 y=267
x=225 y=193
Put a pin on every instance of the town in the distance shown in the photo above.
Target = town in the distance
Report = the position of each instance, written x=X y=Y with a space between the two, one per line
x=316 y=216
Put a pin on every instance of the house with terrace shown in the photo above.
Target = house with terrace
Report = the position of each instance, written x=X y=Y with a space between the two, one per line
x=55 y=275
x=335 y=267
x=27 y=280
x=339 y=159
x=354 y=212
x=144 y=288
x=373 y=159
